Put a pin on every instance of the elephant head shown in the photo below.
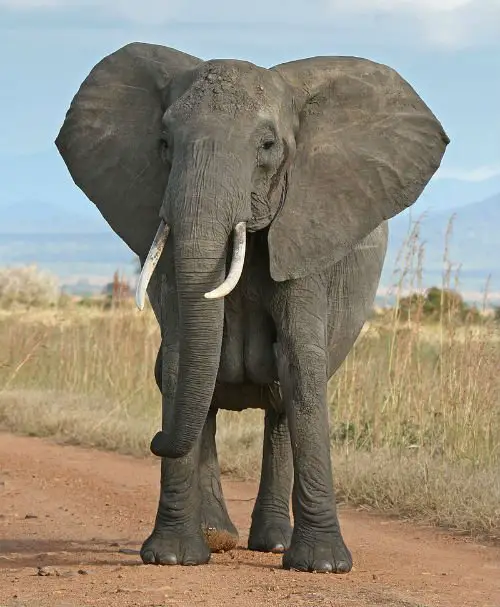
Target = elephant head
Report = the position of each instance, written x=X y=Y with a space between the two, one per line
x=318 y=152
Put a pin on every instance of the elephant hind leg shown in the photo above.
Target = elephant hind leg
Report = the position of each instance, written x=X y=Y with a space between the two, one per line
x=220 y=533
x=158 y=369
x=271 y=529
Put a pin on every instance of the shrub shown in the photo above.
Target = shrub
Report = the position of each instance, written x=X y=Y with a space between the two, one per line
x=28 y=286
x=436 y=302
x=496 y=312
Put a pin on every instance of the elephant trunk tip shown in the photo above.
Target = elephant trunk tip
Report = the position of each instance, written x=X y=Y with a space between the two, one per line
x=162 y=446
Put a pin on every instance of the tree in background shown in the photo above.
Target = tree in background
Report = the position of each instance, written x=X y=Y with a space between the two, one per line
x=436 y=302
x=117 y=290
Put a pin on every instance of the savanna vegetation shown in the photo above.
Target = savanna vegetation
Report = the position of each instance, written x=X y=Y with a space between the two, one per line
x=414 y=410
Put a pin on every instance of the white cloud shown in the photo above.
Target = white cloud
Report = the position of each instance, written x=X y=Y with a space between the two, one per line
x=408 y=6
x=477 y=175
x=145 y=11
x=443 y=23
x=29 y=4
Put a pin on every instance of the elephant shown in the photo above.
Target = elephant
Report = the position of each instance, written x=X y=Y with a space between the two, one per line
x=257 y=200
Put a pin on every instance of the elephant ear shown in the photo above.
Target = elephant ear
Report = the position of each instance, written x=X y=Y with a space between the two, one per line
x=367 y=145
x=110 y=139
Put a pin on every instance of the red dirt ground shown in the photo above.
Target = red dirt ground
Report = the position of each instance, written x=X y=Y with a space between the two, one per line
x=70 y=511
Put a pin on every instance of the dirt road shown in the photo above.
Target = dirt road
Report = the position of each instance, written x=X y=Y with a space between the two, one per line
x=80 y=515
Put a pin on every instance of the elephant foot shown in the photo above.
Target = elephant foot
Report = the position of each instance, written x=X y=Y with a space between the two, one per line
x=270 y=533
x=169 y=548
x=218 y=529
x=318 y=552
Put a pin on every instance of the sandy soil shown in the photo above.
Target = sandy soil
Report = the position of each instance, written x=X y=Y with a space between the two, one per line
x=72 y=520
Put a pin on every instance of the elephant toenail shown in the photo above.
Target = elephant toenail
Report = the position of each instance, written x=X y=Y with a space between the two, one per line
x=343 y=567
x=169 y=559
x=322 y=567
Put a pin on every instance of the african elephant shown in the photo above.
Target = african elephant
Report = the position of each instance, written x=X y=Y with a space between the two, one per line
x=257 y=201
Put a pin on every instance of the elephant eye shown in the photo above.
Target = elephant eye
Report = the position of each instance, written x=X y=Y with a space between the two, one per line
x=164 y=147
x=268 y=144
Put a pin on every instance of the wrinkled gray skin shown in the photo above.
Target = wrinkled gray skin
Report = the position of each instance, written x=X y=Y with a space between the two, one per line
x=315 y=155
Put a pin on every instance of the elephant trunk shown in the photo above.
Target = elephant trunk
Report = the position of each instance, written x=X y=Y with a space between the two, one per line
x=205 y=216
x=199 y=267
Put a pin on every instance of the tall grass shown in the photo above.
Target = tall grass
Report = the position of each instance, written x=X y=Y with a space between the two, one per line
x=414 y=410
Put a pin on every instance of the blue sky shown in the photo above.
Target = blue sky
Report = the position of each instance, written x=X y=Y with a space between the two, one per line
x=449 y=50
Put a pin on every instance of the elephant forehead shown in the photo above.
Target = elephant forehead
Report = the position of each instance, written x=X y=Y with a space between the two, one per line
x=231 y=87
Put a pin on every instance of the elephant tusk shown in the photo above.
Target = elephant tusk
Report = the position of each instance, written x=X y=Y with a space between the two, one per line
x=150 y=264
x=239 y=246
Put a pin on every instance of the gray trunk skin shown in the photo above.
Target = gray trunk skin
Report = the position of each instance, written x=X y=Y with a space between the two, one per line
x=201 y=215
x=200 y=324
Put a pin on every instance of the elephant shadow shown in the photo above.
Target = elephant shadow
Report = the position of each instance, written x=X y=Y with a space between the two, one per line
x=25 y=553
x=36 y=553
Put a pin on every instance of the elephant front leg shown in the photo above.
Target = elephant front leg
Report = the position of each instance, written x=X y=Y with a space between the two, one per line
x=317 y=543
x=271 y=529
x=177 y=537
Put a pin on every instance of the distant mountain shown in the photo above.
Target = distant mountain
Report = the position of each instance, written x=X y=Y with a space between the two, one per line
x=35 y=217
x=73 y=246
x=474 y=243
x=43 y=175
x=72 y=257
x=82 y=247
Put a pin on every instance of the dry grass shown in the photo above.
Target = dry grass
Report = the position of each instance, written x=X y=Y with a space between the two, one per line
x=77 y=419
x=415 y=423
x=414 y=411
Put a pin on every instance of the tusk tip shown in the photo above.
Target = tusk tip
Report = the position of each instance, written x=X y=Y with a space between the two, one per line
x=149 y=266
x=215 y=294
x=139 y=303
x=211 y=295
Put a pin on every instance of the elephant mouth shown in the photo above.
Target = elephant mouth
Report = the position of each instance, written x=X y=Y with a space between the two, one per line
x=259 y=223
x=156 y=249
x=262 y=214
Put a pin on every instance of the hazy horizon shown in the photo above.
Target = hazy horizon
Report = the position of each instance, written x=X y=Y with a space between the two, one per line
x=449 y=52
